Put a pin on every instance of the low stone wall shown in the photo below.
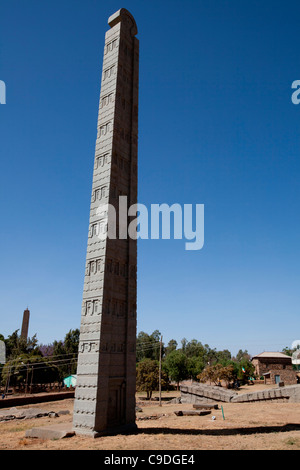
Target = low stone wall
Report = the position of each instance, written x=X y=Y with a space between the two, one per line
x=201 y=393
x=38 y=398
x=289 y=393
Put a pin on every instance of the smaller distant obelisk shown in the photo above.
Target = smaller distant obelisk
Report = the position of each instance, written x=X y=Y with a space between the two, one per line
x=25 y=324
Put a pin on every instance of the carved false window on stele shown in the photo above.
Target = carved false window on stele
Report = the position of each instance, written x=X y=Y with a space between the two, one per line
x=109 y=72
x=105 y=129
x=87 y=269
x=93 y=230
x=106 y=100
x=99 y=194
x=101 y=160
x=96 y=307
x=84 y=308
x=89 y=307
x=110 y=46
x=93 y=267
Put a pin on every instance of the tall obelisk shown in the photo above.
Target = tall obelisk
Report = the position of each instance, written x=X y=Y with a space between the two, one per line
x=105 y=390
x=25 y=324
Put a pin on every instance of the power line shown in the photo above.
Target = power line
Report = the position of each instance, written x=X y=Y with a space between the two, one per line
x=48 y=363
x=42 y=367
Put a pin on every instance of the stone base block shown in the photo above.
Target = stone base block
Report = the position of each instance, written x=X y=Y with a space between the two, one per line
x=56 y=431
x=125 y=429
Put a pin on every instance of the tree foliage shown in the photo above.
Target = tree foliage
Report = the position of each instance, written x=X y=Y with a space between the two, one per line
x=147 y=377
x=28 y=370
x=176 y=364
x=245 y=370
x=211 y=374
x=64 y=354
x=16 y=346
x=148 y=346
x=29 y=363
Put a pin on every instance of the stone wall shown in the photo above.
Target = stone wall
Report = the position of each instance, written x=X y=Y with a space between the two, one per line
x=38 y=398
x=289 y=393
x=199 y=393
x=273 y=367
x=288 y=376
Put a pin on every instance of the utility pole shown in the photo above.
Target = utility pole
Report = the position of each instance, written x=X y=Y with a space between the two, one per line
x=31 y=382
x=26 y=389
x=8 y=378
x=160 y=353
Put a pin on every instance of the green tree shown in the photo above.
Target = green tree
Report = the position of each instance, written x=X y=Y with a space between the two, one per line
x=245 y=370
x=177 y=366
x=228 y=374
x=194 y=367
x=223 y=357
x=65 y=354
x=147 y=377
x=194 y=348
x=242 y=355
x=289 y=351
x=148 y=346
x=211 y=374
x=26 y=364
x=172 y=346
x=71 y=341
x=16 y=345
x=28 y=370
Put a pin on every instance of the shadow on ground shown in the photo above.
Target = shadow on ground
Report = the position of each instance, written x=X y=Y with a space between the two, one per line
x=222 y=432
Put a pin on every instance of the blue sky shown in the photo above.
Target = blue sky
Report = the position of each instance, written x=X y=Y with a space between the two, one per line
x=216 y=127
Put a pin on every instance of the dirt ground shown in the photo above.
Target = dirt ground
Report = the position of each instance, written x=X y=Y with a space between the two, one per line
x=247 y=426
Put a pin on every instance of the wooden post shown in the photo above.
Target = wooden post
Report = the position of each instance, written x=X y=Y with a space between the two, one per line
x=26 y=388
x=160 y=351
x=31 y=379
x=8 y=379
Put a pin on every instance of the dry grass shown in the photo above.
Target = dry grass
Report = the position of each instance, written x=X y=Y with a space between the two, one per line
x=247 y=426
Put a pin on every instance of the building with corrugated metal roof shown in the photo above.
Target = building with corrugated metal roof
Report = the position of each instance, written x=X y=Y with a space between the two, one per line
x=275 y=368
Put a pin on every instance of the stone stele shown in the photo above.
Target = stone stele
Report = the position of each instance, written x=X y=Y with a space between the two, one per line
x=25 y=324
x=105 y=390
